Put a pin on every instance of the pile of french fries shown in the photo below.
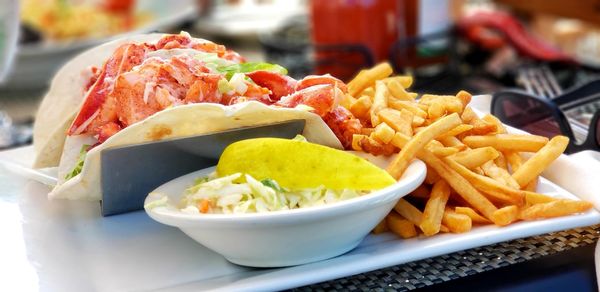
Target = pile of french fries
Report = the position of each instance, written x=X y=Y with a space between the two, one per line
x=477 y=173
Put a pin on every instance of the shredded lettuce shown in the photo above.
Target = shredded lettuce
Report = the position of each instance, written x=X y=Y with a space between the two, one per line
x=242 y=193
x=212 y=60
x=79 y=164
x=250 y=67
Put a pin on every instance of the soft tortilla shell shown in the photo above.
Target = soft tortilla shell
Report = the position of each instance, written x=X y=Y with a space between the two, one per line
x=65 y=96
x=180 y=121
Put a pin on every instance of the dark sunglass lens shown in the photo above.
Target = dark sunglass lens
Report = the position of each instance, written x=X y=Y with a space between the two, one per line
x=527 y=114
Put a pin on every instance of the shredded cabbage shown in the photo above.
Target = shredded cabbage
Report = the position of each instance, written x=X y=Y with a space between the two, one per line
x=79 y=164
x=242 y=193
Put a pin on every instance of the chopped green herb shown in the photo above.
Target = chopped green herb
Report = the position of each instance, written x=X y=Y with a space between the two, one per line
x=250 y=67
x=272 y=184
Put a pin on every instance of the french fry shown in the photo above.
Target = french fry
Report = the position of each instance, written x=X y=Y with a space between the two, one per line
x=400 y=226
x=539 y=161
x=398 y=91
x=506 y=215
x=449 y=103
x=432 y=176
x=408 y=152
x=383 y=133
x=501 y=162
x=456 y=223
x=532 y=198
x=555 y=208
x=532 y=185
x=356 y=138
x=417 y=121
x=484 y=177
x=347 y=100
x=480 y=127
x=514 y=160
x=458 y=130
x=366 y=131
x=395 y=120
x=475 y=217
x=452 y=141
x=436 y=110
x=406 y=81
x=434 y=209
x=489 y=186
x=380 y=101
x=421 y=192
x=508 y=142
x=369 y=92
x=500 y=129
x=468 y=115
x=381 y=227
x=407 y=105
x=464 y=97
x=368 y=77
x=408 y=211
x=444 y=229
x=461 y=185
x=407 y=123
x=499 y=174
x=419 y=129
x=360 y=108
x=370 y=145
x=439 y=149
x=473 y=158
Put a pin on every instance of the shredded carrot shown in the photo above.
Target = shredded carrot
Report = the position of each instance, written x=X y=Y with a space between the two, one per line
x=203 y=206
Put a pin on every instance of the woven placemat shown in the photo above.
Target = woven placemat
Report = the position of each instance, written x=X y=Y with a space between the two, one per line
x=444 y=268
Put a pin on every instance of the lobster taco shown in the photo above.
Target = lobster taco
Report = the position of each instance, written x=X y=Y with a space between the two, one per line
x=156 y=86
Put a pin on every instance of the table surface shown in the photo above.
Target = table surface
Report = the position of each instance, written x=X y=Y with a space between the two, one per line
x=49 y=245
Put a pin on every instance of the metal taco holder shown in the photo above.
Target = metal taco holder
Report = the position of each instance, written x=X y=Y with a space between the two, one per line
x=129 y=173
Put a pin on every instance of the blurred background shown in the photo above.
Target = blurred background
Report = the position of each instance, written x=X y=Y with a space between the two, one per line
x=542 y=47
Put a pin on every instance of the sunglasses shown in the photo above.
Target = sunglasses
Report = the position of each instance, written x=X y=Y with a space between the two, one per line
x=568 y=114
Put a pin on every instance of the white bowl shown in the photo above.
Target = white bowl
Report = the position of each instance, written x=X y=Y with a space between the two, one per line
x=284 y=238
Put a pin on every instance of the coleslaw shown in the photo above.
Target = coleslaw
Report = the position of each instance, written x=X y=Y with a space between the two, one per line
x=241 y=193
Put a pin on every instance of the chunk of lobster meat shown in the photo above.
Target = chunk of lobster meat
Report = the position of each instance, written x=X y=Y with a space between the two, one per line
x=182 y=40
x=92 y=113
x=312 y=80
x=343 y=124
x=107 y=130
x=204 y=89
x=279 y=85
x=254 y=92
x=94 y=74
x=133 y=102
x=184 y=69
x=233 y=56
x=322 y=98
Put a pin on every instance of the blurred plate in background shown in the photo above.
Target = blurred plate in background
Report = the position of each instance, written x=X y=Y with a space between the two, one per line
x=36 y=63
x=9 y=30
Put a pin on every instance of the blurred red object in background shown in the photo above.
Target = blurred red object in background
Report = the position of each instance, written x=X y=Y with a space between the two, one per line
x=119 y=6
x=350 y=34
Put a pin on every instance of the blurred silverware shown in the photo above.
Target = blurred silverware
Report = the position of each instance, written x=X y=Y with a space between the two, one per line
x=12 y=134
x=539 y=81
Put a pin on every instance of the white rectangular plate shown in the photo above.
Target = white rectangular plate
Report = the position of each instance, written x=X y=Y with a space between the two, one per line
x=67 y=245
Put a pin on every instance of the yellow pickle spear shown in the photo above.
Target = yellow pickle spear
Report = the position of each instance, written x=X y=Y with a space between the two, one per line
x=298 y=164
